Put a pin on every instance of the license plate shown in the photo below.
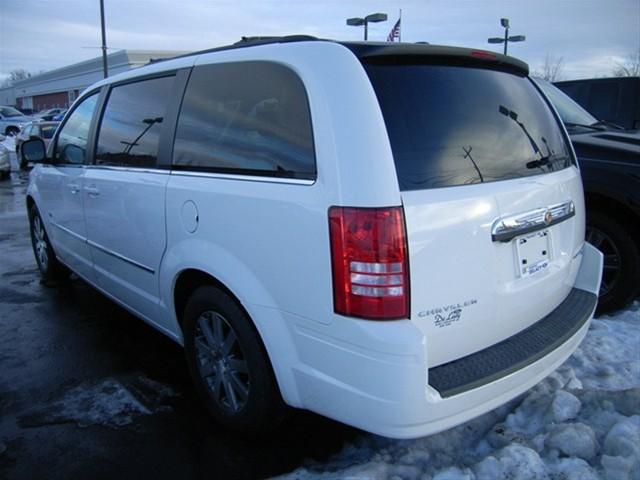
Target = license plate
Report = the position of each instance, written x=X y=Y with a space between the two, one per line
x=533 y=253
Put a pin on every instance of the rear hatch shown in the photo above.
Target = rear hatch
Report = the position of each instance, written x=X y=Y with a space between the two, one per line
x=492 y=198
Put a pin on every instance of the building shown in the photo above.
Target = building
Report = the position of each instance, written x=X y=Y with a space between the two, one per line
x=60 y=87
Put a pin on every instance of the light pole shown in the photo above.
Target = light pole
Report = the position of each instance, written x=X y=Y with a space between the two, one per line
x=105 y=69
x=373 y=18
x=514 y=38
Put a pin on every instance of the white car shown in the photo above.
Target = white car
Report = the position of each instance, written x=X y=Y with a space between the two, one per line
x=12 y=120
x=390 y=235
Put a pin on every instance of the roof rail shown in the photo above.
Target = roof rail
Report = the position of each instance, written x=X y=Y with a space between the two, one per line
x=252 y=42
x=244 y=41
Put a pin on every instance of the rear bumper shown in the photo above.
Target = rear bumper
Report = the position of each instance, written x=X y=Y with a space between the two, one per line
x=517 y=352
x=374 y=375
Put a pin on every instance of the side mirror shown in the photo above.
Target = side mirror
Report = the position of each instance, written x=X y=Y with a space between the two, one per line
x=33 y=151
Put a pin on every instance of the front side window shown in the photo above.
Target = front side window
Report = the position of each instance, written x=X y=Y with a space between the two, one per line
x=47 y=131
x=249 y=118
x=71 y=146
x=603 y=99
x=132 y=123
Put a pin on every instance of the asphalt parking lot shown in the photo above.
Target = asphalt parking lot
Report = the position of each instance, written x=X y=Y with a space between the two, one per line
x=89 y=391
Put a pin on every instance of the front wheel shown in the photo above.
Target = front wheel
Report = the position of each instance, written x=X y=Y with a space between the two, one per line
x=229 y=364
x=50 y=268
x=621 y=269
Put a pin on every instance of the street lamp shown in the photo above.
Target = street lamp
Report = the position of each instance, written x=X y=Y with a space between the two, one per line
x=513 y=38
x=105 y=69
x=373 y=18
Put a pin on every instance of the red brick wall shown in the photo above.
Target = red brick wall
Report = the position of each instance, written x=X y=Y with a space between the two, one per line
x=50 y=100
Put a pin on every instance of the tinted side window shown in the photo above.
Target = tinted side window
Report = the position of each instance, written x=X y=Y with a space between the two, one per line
x=132 y=122
x=47 y=131
x=71 y=146
x=571 y=89
x=248 y=118
x=603 y=100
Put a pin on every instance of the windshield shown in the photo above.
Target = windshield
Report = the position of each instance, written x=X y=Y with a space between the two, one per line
x=455 y=125
x=10 y=112
x=569 y=111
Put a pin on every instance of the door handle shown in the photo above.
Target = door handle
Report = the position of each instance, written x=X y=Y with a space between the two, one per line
x=74 y=187
x=92 y=190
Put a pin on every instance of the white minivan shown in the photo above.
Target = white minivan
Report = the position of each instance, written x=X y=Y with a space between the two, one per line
x=390 y=235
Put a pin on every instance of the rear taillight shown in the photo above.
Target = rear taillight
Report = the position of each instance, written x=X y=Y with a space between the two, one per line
x=369 y=259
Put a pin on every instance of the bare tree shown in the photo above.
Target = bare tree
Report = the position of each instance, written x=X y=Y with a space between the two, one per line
x=15 y=76
x=630 y=67
x=551 y=69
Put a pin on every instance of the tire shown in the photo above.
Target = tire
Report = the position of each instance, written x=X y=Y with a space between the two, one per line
x=50 y=268
x=22 y=164
x=229 y=364
x=19 y=160
x=621 y=274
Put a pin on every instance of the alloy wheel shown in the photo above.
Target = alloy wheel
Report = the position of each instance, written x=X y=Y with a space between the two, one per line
x=221 y=361
x=40 y=243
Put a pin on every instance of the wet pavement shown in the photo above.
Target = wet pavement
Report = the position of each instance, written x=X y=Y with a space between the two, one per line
x=89 y=391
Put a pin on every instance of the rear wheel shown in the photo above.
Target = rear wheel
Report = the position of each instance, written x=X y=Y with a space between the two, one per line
x=229 y=364
x=50 y=268
x=621 y=270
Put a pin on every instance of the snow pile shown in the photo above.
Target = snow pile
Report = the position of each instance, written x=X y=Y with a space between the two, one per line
x=580 y=423
x=110 y=402
x=107 y=403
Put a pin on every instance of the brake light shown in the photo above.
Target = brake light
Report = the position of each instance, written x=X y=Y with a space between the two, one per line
x=369 y=260
x=484 y=55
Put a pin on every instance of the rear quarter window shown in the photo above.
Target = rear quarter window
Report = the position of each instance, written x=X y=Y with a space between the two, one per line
x=455 y=125
x=247 y=118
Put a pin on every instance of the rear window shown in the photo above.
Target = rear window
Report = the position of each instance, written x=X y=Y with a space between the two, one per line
x=451 y=125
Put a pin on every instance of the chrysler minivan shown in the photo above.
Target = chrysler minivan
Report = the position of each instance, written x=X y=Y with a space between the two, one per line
x=390 y=235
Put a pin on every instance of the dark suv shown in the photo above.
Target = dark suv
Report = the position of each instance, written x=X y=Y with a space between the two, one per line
x=615 y=100
x=609 y=159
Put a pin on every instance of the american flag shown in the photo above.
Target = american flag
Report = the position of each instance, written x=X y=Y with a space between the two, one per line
x=395 y=32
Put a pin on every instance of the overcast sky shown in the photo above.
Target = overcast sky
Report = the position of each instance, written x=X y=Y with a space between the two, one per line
x=590 y=35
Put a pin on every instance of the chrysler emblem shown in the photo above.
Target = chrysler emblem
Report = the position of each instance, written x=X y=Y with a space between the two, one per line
x=548 y=216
